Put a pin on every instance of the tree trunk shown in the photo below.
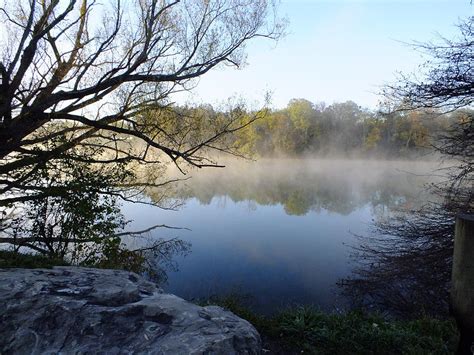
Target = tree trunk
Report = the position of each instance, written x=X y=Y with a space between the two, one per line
x=462 y=291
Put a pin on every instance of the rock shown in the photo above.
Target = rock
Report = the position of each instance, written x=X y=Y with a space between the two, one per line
x=79 y=310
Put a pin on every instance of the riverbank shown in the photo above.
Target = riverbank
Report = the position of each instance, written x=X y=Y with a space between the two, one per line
x=310 y=331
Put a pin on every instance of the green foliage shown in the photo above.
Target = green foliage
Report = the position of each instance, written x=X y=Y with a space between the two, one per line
x=373 y=138
x=12 y=259
x=342 y=128
x=309 y=330
x=301 y=128
x=153 y=260
x=77 y=217
x=74 y=217
x=357 y=333
x=115 y=256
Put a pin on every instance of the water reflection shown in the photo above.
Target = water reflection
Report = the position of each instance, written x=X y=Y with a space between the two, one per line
x=301 y=186
x=279 y=230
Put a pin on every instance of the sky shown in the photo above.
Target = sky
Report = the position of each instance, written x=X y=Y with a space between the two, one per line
x=334 y=51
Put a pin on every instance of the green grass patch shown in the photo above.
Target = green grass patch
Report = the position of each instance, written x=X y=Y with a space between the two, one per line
x=12 y=259
x=309 y=330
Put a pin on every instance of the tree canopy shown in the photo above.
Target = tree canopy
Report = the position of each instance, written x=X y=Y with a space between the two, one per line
x=82 y=74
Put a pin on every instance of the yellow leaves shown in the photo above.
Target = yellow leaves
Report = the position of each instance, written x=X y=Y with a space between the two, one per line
x=373 y=138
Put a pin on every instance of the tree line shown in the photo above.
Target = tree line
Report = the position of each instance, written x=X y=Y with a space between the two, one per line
x=304 y=128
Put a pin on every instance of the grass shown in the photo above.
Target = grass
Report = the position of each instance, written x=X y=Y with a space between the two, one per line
x=311 y=331
x=11 y=259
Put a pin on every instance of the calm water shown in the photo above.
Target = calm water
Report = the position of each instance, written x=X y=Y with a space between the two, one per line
x=280 y=231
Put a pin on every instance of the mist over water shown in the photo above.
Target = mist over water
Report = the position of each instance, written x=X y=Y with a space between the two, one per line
x=280 y=230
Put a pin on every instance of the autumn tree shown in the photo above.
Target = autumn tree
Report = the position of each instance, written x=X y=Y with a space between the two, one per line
x=88 y=86
x=83 y=73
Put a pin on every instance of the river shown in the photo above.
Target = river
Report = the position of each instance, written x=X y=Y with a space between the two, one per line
x=280 y=232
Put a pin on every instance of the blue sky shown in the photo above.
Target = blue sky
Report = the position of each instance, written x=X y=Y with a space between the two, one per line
x=335 y=51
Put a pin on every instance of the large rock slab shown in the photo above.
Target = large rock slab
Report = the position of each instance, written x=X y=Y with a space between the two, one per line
x=79 y=310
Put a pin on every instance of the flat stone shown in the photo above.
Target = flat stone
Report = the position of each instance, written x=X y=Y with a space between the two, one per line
x=72 y=310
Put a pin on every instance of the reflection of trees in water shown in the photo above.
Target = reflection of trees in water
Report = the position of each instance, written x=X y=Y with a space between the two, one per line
x=307 y=186
x=161 y=260
x=78 y=221
x=404 y=267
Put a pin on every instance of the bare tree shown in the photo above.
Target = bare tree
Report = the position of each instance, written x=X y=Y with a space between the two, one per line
x=447 y=85
x=83 y=73
x=445 y=81
x=406 y=268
